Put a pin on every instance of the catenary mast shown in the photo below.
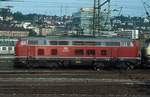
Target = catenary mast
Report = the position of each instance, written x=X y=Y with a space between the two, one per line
x=97 y=15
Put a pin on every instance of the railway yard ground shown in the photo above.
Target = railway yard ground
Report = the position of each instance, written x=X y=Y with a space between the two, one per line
x=45 y=82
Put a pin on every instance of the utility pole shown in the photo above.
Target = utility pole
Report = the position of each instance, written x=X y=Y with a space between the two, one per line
x=107 y=22
x=40 y=24
x=97 y=15
x=146 y=7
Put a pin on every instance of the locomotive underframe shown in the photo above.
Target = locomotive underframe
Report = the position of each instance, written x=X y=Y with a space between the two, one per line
x=97 y=63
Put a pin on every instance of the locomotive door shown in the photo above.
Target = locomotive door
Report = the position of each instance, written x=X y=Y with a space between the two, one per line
x=28 y=52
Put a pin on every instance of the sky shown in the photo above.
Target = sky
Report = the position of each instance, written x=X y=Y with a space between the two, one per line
x=61 y=7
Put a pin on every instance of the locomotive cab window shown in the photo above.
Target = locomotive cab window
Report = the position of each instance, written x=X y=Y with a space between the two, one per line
x=90 y=52
x=79 y=52
x=103 y=52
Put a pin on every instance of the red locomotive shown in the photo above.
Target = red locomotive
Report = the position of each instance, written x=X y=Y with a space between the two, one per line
x=62 y=51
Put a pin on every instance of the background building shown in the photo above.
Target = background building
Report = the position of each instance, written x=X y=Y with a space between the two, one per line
x=14 y=34
x=83 y=21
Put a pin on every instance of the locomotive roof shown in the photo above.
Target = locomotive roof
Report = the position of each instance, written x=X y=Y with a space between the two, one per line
x=80 y=38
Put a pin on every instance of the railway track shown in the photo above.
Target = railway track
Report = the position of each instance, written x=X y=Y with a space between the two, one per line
x=63 y=95
x=74 y=86
x=137 y=74
x=6 y=64
x=73 y=83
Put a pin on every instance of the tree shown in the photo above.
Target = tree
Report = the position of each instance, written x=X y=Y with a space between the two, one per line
x=18 y=16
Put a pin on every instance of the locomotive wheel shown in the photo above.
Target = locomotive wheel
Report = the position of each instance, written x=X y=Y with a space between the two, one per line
x=66 y=64
x=122 y=65
x=126 y=66
x=130 y=66
x=53 y=65
x=99 y=66
x=28 y=65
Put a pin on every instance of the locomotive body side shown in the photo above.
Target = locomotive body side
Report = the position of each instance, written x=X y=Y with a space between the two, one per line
x=55 y=53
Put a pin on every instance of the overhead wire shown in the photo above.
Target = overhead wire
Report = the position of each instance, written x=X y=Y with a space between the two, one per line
x=72 y=5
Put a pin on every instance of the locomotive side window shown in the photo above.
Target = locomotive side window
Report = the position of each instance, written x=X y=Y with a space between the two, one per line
x=54 y=52
x=79 y=52
x=33 y=42
x=102 y=44
x=90 y=52
x=112 y=43
x=53 y=42
x=89 y=43
x=103 y=52
x=125 y=44
x=78 y=43
x=42 y=42
x=63 y=42
x=98 y=43
x=40 y=52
